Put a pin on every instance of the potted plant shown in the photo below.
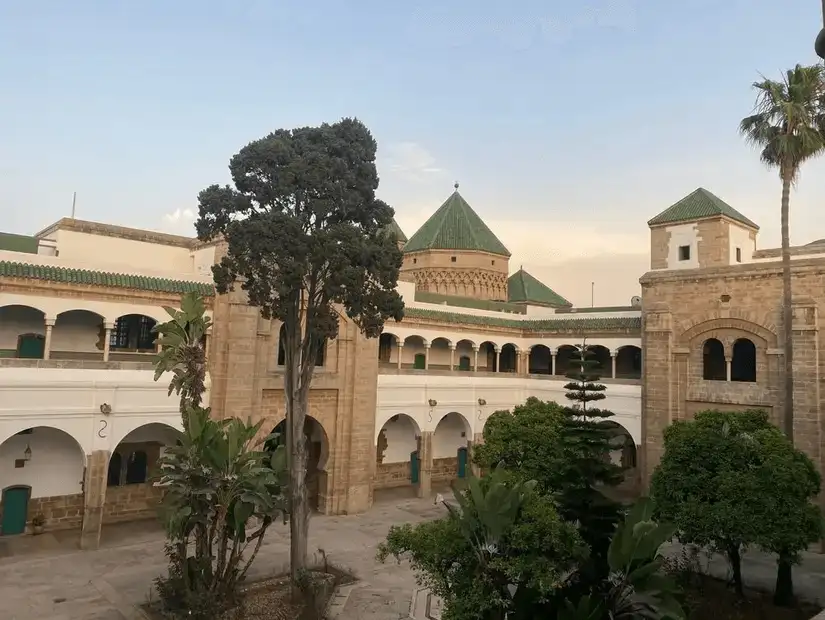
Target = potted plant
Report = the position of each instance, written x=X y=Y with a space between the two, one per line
x=38 y=523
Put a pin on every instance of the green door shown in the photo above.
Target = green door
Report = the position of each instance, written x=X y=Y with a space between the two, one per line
x=414 y=466
x=15 y=510
x=462 y=462
x=420 y=361
x=30 y=346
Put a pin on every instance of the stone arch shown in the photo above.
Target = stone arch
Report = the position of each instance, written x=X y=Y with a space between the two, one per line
x=22 y=330
x=78 y=333
x=51 y=462
x=136 y=453
x=600 y=354
x=629 y=362
x=508 y=358
x=320 y=352
x=396 y=441
x=387 y=343
x=765 y=333
x=318 y=452
x=624 y=453
x=743 y=361
x=133 y=333
x=564 y=355
x=714 y=366
x=487 y=356
x=451 y=432
x=540 y=361
x=464 y=354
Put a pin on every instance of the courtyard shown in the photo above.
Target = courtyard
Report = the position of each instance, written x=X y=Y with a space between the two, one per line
x=47 y=577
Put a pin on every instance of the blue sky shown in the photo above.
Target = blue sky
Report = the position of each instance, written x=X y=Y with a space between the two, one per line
x=567 y=124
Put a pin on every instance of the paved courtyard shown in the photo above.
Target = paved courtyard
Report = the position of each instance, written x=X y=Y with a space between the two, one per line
x=45 y=577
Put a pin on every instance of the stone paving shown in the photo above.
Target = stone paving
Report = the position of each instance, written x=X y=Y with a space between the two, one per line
x=45 y=577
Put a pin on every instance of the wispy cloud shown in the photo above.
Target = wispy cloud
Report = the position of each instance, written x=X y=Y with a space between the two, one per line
x=412 y=162
x=180 y=221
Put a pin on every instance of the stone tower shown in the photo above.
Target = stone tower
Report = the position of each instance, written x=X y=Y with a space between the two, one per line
x=701 y=230
x=455 y=253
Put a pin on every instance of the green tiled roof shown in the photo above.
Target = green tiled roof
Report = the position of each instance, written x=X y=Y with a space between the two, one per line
x=538 y=325
x=468 y=302
x=18 y=243
x=395 y=228
x=699 y=204
x=455 y=226
x=524 y=288
x=10 y=269
x=597 y=309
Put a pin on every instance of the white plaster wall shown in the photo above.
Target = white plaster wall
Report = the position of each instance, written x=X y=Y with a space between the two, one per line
x=202 y=261
x=70 y=400
x=741 y=238
x=410 y=395
x=451 y=433
x=400 y=435
x=55 y=468
x=683 y=234
x=15 y=321
x=77 y=330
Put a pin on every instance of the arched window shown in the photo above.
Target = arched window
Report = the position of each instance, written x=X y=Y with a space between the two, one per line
x=136 y=467
x=743 y=364
x=713 y=361
x=133 y=331
x=320 y=353
x=115 y=465
x=385 y=342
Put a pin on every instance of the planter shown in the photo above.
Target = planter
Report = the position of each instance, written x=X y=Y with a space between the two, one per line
x=37 y=529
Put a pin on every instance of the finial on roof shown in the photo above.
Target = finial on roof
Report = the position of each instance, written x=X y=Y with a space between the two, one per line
x=456 y=186
x=521 y=267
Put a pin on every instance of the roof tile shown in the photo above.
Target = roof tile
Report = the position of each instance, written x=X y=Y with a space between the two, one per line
x=524 y=288
x=578 y=325
x=697 y=205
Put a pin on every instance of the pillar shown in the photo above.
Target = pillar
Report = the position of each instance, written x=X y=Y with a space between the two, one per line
x=498 y=359
x=94 y=498
x=400 y=354
x=613 y=363
x=47 y=343
x=552 y=362
x=727 y=368
x=452 y=357
x=524 y=365
x=107 y=341
x=475 y=359
x=425 y=459
x=426 y=356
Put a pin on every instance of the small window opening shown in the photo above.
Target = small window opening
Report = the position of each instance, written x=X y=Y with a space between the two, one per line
x=738 y=255
x=684 y=252
x=415 y=260
x=452 y=259
x=492 y=262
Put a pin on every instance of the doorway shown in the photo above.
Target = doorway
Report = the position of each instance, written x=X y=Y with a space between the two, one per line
x=15 y=510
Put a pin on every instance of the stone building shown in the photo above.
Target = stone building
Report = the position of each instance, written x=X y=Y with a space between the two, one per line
x=712 y=324
x=82 y=421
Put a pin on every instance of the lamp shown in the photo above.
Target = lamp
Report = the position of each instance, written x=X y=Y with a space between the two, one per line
x=433 y=402
x=27 y=453
x=105 y=409
x=481 y=402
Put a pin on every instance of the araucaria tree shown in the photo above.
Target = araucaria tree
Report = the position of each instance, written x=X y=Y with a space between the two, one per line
x=586 y=437
x=788 y=126
x=306 y=239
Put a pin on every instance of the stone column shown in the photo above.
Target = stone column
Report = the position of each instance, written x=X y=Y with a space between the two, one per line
x=107 y=340
x=475 y=359
x=94 y=498
x=552 y=363
x=47 y=344
x=425 y=463
x=426 y=356
x=613 y=363
x=498 y=359
x=452 y=357
x=400 y=354
x=524 y=365
x=727 y=369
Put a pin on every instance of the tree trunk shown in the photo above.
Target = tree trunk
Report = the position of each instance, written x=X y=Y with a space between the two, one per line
x=787 y=309
x=783 y=594
x=736 y=566
x=299 y=504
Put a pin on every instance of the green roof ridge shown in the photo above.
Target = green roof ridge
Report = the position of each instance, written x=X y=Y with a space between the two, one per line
x=11 y=242
x=699 y=204
x=455 y=226
x=69 y=275
x=468 y=302
x=525 y=288
x=584 y=324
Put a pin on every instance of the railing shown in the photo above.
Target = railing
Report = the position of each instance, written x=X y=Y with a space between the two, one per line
x=385 y=368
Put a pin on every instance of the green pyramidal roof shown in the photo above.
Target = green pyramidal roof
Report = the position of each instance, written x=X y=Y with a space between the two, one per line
x=395 y=228
x=697 y=205
x=455 y=226
x=524 y=288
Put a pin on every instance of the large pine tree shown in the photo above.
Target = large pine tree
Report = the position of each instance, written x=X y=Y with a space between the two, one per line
x=586 y=439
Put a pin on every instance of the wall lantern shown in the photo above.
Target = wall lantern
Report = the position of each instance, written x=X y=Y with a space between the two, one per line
x=27 y=453
x=105 y=409
x=481 y=402
x=433 y=402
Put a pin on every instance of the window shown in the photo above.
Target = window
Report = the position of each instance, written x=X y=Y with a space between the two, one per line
x=743 y=365
x=738 y=255
x=684 y=252
x=133 y=331
x=493 y=262
x=136 y=467
x=452 y=259
x=714 y=367
x=320 y=353
x=415 y=260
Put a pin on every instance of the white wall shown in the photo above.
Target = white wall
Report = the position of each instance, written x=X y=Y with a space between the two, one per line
x=19 y=320
x=741 y=238
x=410 y=395
x=683 y=234
x=451 y=434
x=55 y=468
x=400 y=434
x=77 y=330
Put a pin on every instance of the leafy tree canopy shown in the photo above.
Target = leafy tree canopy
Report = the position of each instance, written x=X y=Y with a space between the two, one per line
x=304 y=229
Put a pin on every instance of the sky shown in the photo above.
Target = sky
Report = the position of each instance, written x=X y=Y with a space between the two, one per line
x=567 y=124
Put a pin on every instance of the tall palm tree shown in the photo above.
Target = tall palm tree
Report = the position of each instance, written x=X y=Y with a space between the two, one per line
x=788 y=125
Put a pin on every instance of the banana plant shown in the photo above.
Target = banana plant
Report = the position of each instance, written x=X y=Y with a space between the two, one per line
x=636 y=588
x=182 y=351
